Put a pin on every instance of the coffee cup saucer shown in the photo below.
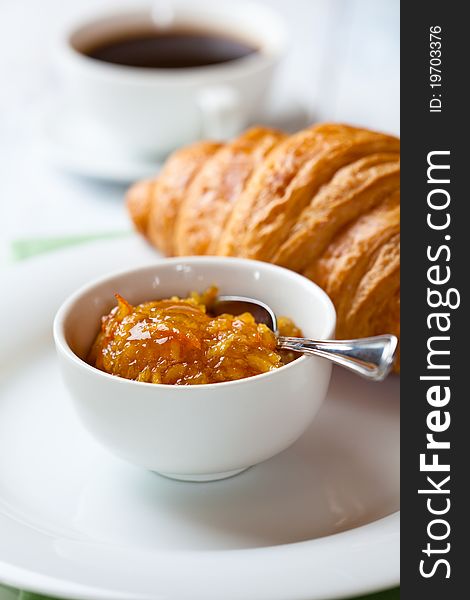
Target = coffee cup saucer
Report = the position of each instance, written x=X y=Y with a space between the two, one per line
x=75 y=142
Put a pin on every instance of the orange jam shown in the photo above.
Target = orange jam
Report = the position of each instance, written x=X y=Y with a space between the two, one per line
x=176 y=341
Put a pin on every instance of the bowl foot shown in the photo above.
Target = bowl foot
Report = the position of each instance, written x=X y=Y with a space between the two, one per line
x=203 y=477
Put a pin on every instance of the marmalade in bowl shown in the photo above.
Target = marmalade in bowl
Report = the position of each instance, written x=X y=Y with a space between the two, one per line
x=175 y=341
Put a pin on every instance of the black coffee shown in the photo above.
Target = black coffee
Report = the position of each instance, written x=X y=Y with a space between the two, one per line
x=170 y=50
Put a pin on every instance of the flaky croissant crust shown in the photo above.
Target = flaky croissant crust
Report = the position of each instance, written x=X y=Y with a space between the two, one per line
x=324 y=202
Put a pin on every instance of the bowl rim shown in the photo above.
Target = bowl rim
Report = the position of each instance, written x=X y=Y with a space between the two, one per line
x=67 y=306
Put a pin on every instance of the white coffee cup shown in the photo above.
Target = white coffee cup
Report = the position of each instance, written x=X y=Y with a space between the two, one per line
x=152 y=111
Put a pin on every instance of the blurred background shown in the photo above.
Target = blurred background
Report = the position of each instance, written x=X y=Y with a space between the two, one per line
x=342 y=64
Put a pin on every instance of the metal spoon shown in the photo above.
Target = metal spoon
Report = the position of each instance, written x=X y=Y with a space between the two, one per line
x=370 y=357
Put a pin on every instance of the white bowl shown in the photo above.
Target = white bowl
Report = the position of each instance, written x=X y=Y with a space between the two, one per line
x=203 y=432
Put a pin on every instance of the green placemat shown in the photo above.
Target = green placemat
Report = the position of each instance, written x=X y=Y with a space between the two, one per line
x=25 y=248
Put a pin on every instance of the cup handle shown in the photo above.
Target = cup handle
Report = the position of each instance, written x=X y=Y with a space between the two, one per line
x=220 y=112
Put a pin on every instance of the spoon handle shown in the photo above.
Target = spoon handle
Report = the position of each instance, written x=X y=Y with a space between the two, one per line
x=370 y=357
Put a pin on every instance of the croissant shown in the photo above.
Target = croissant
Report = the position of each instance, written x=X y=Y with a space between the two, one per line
x=324 y=202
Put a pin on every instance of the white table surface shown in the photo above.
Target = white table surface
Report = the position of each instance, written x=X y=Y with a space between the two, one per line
x=343 y=64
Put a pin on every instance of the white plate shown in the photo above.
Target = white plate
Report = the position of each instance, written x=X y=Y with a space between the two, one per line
x=317 y=521
x=76 y=143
